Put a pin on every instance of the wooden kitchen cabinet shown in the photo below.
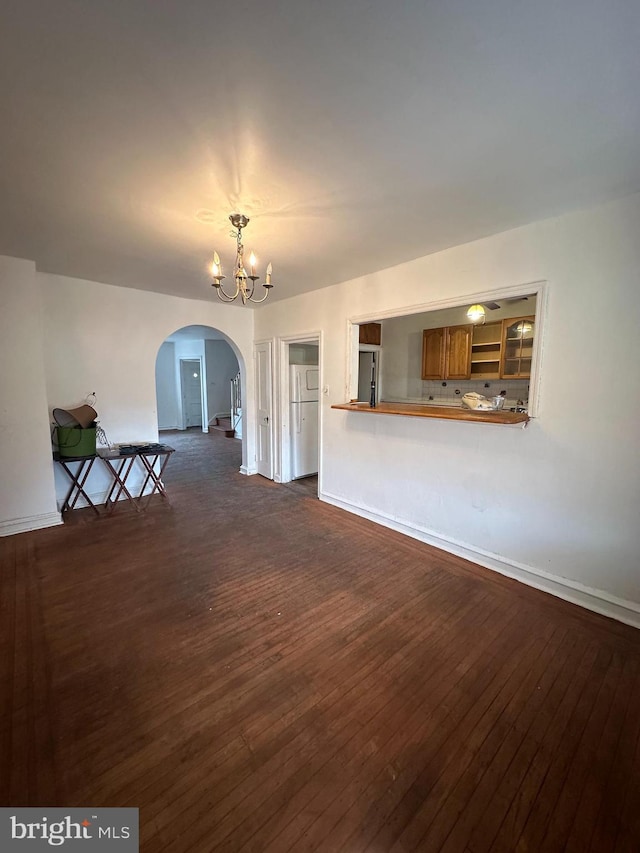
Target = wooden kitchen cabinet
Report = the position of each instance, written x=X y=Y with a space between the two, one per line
x=486 y=347
x=370 y=333
x=433 y=353
x=517 y=347
x=446 y=352
x=458 y=352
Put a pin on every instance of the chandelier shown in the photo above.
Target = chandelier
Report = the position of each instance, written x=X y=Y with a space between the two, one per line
x=245 y=283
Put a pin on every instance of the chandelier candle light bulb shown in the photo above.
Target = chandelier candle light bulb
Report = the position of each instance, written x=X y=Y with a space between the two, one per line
x=244 y=284
x=216 y=266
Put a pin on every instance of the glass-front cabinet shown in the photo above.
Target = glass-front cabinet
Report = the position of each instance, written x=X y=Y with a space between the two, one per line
x=517 y=347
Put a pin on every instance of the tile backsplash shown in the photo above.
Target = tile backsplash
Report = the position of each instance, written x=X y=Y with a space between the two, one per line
x=444 y=392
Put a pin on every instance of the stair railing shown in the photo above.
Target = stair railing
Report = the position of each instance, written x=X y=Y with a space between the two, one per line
x=236 y=401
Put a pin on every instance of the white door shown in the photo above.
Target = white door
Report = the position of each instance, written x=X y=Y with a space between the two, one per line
x=191 y=392
x=304 y=439
x=264 y=463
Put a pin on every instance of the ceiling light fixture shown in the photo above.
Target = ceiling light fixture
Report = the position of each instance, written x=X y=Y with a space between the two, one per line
x=476 y=314
x=244 y=289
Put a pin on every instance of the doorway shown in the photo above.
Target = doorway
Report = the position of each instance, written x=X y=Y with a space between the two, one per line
x=192 y=391
x=264 y=420
x=220 y=365
x=368 y=376
x=301 y=392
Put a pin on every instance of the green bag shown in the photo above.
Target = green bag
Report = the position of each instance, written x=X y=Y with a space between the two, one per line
x=74 y=441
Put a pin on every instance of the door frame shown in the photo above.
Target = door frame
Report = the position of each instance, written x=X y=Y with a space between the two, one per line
x=283 y=451
x=377 y=349
x=271 y=343
x=203 y=391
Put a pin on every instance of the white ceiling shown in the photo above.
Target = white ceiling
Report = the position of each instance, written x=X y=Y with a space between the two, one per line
x=356 y=134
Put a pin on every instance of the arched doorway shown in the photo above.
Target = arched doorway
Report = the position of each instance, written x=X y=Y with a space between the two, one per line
x=199 y=380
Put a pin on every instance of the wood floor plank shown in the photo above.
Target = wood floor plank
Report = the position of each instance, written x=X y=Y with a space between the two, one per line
x=383 y=811
x=300 y=679
x=574 y=726
x=628 y=828
x=424 y=799
x=363 y=754
x=8 y=639
x=343 y=807
x=353 y=700
x=500 y=830
x=473 y=798
x=533 y=727
x=590 y=777
x=335 y=668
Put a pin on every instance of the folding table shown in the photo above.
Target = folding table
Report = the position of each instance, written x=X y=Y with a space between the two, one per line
x=120 y=463
x=78 y=474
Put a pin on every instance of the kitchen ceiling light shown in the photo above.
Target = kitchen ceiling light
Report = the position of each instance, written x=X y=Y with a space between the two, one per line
x=476 y=314
x=243 y=289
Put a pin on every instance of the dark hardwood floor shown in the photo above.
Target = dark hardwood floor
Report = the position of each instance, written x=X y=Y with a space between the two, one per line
x=259 y=671
x=305 y=486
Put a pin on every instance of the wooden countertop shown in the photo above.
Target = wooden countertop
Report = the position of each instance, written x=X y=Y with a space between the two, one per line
x=448 y=413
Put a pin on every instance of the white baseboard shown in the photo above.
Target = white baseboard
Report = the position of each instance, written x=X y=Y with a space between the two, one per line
x=590 y=598
x=31 y=522
x=248 y=471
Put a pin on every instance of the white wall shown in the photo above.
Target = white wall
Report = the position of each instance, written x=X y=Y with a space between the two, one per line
x=167 y=388
x=105 y=339
x=556 y=504
x=188 y=348
x=27 y=497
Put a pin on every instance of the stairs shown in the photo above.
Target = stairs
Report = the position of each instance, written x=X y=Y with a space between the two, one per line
x=224 y=425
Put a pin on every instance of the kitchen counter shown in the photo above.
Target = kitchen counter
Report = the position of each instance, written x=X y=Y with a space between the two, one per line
x=428 y=410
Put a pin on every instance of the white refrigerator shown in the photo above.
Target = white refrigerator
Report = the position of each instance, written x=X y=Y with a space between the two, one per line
x=304 y=396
